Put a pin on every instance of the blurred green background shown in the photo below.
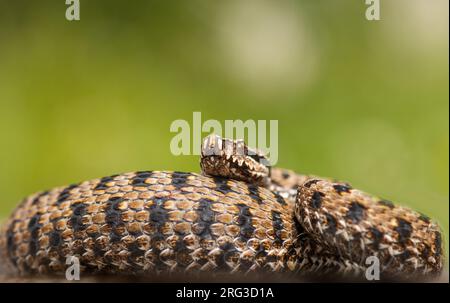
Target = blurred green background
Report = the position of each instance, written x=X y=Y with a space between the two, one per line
x=361 y=101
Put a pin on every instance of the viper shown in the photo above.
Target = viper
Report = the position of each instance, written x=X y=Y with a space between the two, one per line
x=238 y=216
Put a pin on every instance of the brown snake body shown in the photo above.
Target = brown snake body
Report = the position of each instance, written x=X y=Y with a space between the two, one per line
x=236 y=218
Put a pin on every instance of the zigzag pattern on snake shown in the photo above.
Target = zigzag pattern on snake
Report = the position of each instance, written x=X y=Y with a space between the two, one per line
x=236 y=218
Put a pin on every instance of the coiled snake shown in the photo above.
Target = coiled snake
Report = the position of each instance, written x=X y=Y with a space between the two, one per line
x=238 y=216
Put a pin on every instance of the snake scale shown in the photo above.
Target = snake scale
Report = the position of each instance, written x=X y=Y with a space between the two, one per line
x=238 y=216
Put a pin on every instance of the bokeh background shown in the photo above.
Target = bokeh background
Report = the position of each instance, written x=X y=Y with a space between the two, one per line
x=361 y=101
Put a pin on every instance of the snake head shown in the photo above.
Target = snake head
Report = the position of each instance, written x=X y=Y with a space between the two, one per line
x=233 y=159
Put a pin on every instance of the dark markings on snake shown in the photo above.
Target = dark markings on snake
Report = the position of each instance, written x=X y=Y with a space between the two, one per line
x=158 y=214
x=404 y=255
x=424 y=218
x=230 y=254
x=64 y=194
x=143 y=174
x=438 y=243
x=271 y=258
x=54 y=239
x=403 y=229
x=102 y=183
x=205 y=218
x=113 y=218
x=37 y=198
x=280 y=199
x=135 y=256
x=386 y=203
x=159 y=228
x=332 y=224
x=11 y=245
x=245 y=221
x=183 y=257
x=106 y=179
x=310 y=182
x=135 y=233
x=254 y=193
x=377 y=236
x=177 y=173
x=179 y=179
x=138 y=181
x=219 y=258
x=138 y=172
x=316 y=199
x=222 y=185
x=355 y=212
x=261 y=254
x=156 y=241
x=158 y=219
x=76 y=220
x=425 y=252
x=34 y=229
x=340 y=188
x=277 y=224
